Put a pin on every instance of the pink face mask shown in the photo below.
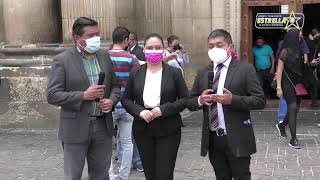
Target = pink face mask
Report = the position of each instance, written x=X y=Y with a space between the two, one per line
x=154 y=56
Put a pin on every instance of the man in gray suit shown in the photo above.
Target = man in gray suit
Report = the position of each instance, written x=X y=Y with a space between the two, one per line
x=85 y=118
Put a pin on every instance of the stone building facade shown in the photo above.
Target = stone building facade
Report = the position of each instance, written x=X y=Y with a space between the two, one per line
x=50 y=21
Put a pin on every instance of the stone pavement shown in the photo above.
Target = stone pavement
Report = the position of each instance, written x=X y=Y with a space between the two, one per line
x=37 y=155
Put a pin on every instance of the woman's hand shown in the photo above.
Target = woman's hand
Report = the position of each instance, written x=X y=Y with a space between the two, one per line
x=279 y=92
x=146 y=115
x=156 y=112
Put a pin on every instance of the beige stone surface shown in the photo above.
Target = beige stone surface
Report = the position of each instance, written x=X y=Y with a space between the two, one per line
x=2 y=35
x=31 y=21
x=153 y=16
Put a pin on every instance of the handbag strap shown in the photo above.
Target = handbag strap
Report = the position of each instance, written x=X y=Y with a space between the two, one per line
x=289 y=78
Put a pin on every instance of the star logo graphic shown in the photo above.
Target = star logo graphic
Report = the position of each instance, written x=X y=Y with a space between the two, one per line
x=292 y=21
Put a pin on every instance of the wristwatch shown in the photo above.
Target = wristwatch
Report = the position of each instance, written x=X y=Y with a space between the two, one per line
x=278 y=88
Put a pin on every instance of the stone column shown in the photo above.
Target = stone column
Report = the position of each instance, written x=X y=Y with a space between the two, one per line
x=101 y=10
x=108 y=13
x=31 y=21
x=191 y=21
x=153 y=16
x=2 y=35
x=234 y=22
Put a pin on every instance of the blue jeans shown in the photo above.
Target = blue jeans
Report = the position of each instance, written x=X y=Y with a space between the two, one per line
x=124 y=141
x=282 y=109
x=136 y=160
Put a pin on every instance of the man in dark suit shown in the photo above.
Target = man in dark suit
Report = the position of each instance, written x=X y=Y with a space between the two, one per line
x=227 y=90
x=85 y=119
x=134 y=47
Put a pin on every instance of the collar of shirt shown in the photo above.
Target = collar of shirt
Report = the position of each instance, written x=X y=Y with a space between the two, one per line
x=94 y=56
x=116 y=50
x=133 y=47
x=225 y=64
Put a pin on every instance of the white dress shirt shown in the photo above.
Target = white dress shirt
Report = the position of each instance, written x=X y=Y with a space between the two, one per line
x=152 y=89
x=222 y=80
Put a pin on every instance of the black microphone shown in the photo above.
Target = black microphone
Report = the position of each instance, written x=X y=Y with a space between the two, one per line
x=102 y=75
x=210 y=79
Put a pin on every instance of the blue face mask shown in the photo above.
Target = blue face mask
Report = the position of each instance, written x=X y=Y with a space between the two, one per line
x=93 y=44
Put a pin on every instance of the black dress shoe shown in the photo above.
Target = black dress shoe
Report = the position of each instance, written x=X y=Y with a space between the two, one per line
x=294 y=143
x=281 y=130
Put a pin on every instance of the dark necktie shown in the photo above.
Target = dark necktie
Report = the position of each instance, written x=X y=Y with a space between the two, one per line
x=214 y=121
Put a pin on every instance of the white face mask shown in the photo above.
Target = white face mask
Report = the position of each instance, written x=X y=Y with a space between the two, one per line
x=93 y=44
x=218 y=55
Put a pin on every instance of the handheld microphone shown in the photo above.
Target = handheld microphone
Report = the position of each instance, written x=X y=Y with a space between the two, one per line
x=210 y=79
x=100 y=82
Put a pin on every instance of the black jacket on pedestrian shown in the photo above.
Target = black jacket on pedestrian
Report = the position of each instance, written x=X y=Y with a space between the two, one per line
x=138 y=51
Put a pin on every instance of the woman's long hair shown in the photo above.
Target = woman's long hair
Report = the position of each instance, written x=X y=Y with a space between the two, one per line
x=293 y=57
x=292 y=40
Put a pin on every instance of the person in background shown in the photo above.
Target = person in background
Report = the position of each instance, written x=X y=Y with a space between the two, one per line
x=264 y=62
x=282 y=102
x=153 y=97
x=290 y=73
x=137 y=50
x=134 y=47
x=85 y=116
x=176 y=55
x=123 y=62
x=313 y=43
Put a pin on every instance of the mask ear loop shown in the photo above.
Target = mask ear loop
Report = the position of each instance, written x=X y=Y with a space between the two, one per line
x=80 y=44
x=228 y=52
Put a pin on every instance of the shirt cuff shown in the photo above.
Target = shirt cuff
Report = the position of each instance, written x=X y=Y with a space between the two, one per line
x=199 y=103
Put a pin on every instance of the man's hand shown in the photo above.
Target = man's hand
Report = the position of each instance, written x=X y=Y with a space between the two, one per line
x=224 y=99
x=182 y=49
x=106 y=105
x=171 y=56
x=206 y=97
x=93 y=92
x=146 y=115
x=156 y=112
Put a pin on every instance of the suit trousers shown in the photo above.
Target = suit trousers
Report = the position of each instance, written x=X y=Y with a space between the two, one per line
x=226 y=166
x=97 y=150
x=158 y=154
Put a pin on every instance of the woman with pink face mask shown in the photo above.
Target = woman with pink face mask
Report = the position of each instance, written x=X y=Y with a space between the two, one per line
x=153 y=97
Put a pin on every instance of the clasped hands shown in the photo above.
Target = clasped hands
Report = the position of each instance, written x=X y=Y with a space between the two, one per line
x=207 y=97
x=149 y=116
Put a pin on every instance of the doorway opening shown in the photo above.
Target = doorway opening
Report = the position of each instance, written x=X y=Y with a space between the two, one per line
x=271 y=36
x=312 y=18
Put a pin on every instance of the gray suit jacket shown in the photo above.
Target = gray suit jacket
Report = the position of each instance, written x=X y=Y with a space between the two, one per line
x=67 y=83
x=247 y=95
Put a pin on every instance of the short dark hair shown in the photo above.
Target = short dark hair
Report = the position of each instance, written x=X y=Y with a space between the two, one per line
x=80 y=23
x=120 y=34
x=135 y=35
x=171 y=38
x=221 y=33
x=259 y=38
x=151 y=36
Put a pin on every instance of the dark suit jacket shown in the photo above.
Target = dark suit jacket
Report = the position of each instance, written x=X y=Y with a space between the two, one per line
x=67 y=83
x=138 y=51
x=247 y=95
x=173 y=88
